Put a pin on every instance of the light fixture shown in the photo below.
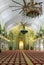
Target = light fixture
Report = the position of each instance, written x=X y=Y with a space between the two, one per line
x=30 y=9
x=24 y=31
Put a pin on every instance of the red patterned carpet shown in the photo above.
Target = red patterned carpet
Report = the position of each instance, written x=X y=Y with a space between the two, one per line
x=12 y=58
x=37 y=57
x=16 y=57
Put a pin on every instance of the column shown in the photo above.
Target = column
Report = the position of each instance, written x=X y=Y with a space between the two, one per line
x=43 y=44
x=39 y=44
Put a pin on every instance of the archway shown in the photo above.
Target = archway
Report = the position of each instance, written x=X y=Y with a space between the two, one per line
x=21 y=45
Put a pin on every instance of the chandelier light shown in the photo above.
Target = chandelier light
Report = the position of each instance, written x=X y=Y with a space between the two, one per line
x=30 y=9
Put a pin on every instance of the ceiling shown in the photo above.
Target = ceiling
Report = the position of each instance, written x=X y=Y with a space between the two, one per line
x=10 y=19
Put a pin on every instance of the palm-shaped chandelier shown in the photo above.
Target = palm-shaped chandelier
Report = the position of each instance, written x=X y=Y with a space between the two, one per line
x=30 y=9
x=24 y=31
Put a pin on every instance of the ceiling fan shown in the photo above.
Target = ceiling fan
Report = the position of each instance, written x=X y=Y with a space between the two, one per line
x=29 y=9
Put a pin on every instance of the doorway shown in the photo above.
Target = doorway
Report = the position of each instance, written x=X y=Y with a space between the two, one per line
x=21 y=45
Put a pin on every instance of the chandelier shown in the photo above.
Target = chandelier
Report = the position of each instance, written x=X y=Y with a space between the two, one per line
x=30 y=9
x=24 y=31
